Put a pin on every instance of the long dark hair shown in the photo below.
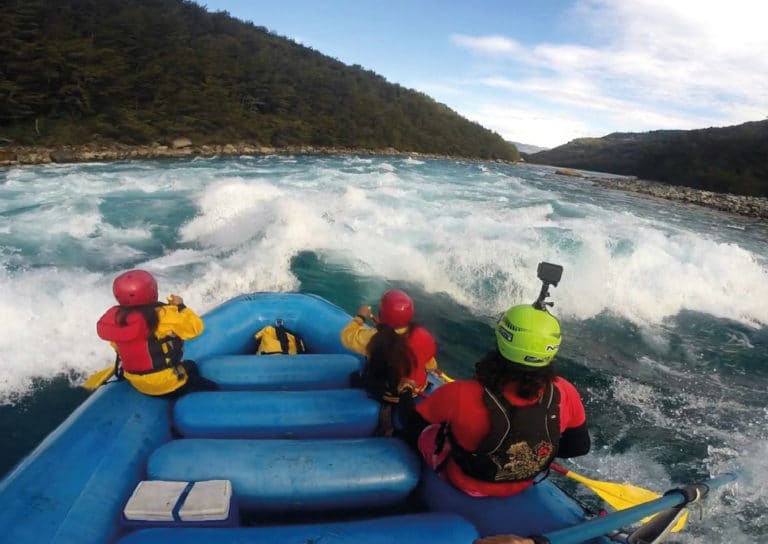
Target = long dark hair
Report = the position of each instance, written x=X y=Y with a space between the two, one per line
x=147 y=311
x=389 y=358
x=495 y=372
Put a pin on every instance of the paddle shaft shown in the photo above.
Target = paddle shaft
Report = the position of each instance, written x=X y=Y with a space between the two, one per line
x=603 y=525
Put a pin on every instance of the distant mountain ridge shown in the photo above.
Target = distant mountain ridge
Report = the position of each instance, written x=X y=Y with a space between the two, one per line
x=726 y=160
x=528 y=148
x=145 y=71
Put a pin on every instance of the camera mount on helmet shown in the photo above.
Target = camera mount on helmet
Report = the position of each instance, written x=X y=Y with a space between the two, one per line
x=549 y=274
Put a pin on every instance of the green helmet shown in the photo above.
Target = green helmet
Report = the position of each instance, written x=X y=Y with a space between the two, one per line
x=528 y=336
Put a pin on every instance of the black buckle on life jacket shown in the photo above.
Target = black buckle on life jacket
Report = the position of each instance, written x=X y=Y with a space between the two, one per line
x=282 y=335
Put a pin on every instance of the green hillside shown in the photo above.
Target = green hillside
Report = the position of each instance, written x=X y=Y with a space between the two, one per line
x=726 y=160
x=79 y=71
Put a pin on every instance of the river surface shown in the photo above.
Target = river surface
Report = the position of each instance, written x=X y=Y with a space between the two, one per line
x=663 y=306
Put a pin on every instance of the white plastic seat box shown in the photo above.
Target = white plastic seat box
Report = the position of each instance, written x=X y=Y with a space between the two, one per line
x=159 y=503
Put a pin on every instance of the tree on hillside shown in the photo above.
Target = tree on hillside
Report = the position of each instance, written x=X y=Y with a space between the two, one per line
x=147 y=70
x=724 y=160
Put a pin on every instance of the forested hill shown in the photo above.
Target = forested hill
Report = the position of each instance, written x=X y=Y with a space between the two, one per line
x=139 y=71
x=725 y=160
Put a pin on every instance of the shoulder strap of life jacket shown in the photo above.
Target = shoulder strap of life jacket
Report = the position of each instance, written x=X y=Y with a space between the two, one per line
x=118 y=372
x=283 y=336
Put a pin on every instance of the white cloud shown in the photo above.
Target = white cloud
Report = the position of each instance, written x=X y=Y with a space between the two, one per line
x=580 y=93
x=659 y=64
x=528 y=126
x=495 y=45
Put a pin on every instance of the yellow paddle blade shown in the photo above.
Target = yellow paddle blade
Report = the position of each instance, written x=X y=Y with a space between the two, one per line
x=98 y=378
x=680 y=525
x=442 y=375
x=622 y=496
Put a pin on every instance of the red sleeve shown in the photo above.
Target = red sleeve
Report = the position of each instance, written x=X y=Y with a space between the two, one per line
x=108 y=329
x=572 y=412
x=439 y=405
x=422 y=344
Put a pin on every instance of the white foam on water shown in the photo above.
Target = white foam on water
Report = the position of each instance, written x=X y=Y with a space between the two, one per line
x=476 y=235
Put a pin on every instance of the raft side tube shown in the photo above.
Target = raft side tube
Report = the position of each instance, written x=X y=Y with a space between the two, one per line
x=407 y=529
x=539 y=509
x=73 y=486
x=295 y=475
x=343 y=413
x=229 y=328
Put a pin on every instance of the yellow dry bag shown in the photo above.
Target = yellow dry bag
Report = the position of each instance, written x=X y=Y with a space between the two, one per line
x=277 y=339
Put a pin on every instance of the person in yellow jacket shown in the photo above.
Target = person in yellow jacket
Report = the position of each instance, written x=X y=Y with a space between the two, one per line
x=149 y=337
x=399 y=352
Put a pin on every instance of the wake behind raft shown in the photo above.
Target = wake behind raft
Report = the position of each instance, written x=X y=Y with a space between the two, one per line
x=284 y=453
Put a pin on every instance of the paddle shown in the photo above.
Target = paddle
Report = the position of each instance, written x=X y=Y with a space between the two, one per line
x=619 y=496
x=603 y=525
x=98 y=378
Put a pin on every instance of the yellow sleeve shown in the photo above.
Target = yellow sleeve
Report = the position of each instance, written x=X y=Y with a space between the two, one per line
x=355 y=336
x=185 y=324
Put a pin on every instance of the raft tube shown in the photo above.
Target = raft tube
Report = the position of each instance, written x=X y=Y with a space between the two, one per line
x=310 y=371
x=407 y=529
x=343 y=413
x=293 y=475
x=539 y=509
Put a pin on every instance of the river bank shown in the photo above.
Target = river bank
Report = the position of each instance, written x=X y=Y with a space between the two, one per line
x=178 y=148
x=182 y=147
x=750 y=206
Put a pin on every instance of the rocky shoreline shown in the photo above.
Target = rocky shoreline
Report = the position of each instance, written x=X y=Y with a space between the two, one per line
x=749 y=206
x=182 y=147
x=178 y=148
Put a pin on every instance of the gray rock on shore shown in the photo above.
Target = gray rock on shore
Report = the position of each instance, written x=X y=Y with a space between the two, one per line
x=751 y=206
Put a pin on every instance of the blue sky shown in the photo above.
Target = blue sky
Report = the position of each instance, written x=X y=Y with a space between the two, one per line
x=544 y=72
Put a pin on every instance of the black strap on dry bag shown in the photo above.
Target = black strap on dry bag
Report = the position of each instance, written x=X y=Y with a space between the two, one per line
x=282 y=336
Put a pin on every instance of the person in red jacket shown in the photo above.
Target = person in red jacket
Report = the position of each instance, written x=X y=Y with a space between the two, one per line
x=399 y=352
x=494 y=434
x=148 y=337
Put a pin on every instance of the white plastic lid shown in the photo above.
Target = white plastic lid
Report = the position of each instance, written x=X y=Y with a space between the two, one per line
x=207 y=501
x=153 y=500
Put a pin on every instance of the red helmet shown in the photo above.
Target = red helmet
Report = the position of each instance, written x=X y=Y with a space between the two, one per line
x=395 y=308
x=135 y=288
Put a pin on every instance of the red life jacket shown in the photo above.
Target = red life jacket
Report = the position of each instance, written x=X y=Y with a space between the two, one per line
x=139 y=350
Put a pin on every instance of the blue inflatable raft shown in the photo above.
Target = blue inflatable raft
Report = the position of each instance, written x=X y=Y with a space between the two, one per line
x=283 y=453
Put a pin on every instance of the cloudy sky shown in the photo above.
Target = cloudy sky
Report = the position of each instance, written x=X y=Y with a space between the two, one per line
x=544 y=72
